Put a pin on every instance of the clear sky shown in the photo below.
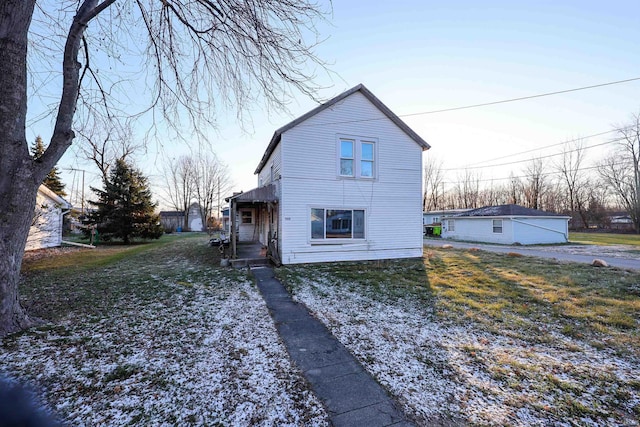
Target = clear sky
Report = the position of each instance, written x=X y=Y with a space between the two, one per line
x=420 y=56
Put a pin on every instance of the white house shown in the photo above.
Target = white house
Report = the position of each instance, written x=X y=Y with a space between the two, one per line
x=46 y=227
x=342 y=182
x=435 y=217
x=507 y=224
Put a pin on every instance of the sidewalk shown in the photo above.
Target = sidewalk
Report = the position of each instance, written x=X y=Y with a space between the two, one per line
x=352 y=397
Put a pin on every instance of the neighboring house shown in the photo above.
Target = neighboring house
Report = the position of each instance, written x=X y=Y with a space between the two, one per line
x=226 y=222
x=435 y=217
x=507 y=224
x=46 y=227
x=174 y=220
x=621 y=221
x=342 y=182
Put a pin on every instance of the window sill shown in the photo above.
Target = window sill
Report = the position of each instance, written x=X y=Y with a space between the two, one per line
x=337 y=242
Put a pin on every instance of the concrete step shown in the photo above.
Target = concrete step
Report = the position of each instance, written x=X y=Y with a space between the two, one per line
x=245 y=262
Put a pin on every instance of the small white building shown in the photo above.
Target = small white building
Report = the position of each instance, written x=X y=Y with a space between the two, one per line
x=342 y=182
x=507 y=224
x=46 y=227
x=435 y=217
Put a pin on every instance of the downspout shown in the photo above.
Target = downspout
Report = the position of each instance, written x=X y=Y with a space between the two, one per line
x=566 y=237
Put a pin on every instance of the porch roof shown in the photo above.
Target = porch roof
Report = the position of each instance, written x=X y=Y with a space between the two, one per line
x=264 y=194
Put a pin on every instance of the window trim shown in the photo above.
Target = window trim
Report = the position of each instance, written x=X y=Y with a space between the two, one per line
x=501 y=227
x=335 y=240
x=358 y=142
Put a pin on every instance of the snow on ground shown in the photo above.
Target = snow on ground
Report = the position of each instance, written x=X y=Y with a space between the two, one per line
x=207 y=355
x=462 y=373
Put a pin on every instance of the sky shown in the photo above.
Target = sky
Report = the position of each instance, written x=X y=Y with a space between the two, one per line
x=422 y=56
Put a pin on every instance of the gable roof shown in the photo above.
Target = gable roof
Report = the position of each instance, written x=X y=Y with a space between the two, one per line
x=46 y=191
x=275 y=139
x=507 y=210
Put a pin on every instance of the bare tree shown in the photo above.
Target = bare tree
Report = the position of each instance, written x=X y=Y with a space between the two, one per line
x=514 y=190
x=179 y=176
x=211 y=180
x=467 y=189
x=574 y=180
x=620 y=170
x=535 y=183
x=432 y=198
x=196 y=56
x=103 y=143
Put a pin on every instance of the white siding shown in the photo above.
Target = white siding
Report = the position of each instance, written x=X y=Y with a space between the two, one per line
x=522 y=230
x=46 y=231
x=273 y=164
x=529 y=231
x=478 y=229
x=392 y=201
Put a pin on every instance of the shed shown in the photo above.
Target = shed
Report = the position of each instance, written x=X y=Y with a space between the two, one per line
x=46 y=226
x=507 y=224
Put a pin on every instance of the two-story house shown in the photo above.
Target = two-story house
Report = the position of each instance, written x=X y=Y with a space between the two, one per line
x=342 y=182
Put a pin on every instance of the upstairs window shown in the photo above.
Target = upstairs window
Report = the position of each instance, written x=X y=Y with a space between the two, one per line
x=366 y=159
x=346 y=157
x=357 y=157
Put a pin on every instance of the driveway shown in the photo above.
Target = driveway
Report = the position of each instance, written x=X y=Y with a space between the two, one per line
x=627 y=257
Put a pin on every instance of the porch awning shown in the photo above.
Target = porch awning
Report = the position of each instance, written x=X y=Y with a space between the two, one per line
x=264 y=194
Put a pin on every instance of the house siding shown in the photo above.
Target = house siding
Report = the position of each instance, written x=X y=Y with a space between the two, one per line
x=46 y=230
x=275 y=161
x=522 y=230
x=392 y=200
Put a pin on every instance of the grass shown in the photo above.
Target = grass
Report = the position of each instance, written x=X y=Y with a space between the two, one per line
x=605 y=239
x=515 y=294
x=528 y=304
x=523 y=294
x=154 y=333
x=93 y=281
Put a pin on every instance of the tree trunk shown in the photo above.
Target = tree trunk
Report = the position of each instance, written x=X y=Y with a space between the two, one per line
x=17 y=184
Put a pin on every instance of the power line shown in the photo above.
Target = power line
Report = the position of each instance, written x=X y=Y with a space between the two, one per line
x=522 y=98
x=546 y=146
x=537 y=158
x=530 y=175
x=484 y=104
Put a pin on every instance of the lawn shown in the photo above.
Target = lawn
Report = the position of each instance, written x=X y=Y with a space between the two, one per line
x=153 y=334
x=467 y=336
x=159 y=334
x=605 y=239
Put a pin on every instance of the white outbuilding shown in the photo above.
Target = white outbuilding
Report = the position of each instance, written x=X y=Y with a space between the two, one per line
x=507 y=224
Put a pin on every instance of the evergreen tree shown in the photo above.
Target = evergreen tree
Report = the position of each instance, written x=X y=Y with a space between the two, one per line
x=124 y=209
x=52 y=181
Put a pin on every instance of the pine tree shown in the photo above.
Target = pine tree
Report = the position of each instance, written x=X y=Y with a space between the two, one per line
x=52 y=181
x=124 y=208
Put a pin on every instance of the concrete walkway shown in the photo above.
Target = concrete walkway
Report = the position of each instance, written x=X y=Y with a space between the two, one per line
x=352 y=397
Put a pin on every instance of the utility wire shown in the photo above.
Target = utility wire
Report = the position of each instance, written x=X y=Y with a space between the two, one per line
x=484 y=104
x=530 y=175
x=537 y=158
x=547 y=146
x=522 y=98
